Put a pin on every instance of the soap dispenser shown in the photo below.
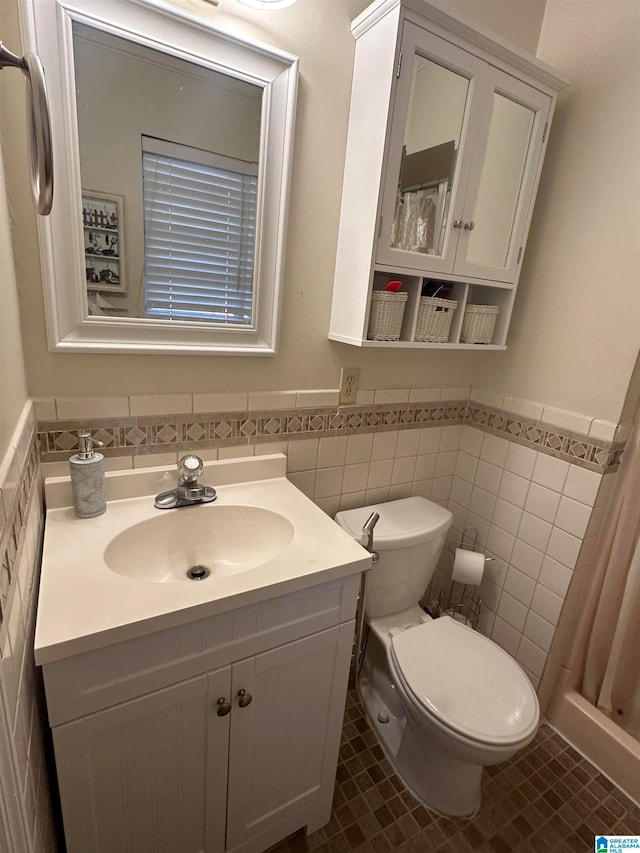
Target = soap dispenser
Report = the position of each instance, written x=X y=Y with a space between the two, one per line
x=88 y=482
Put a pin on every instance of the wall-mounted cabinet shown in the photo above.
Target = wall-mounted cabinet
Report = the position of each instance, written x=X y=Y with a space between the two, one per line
x=447 y=132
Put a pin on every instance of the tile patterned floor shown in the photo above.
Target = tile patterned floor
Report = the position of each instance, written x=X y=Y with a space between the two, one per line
x=547 y=799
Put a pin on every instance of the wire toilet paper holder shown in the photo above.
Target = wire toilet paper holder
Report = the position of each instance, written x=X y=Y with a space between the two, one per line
x=462 y=601
x=472 y=545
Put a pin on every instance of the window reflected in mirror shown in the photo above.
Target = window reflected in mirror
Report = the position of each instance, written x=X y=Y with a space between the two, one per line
x=169 y=162
x=199 y=234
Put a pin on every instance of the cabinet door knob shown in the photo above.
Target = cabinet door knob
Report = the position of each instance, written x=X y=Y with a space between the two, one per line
x=457 y=223
x=244 y=698
x=223 y=706
x=469 y=226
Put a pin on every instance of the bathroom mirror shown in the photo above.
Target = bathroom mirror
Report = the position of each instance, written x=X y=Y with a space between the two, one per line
x=172 y=140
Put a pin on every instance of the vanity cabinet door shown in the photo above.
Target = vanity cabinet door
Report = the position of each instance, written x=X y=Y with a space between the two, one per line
x=284 y=743
x=148 y=776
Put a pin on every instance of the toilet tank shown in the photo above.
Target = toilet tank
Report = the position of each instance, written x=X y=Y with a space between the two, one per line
x=408 y=538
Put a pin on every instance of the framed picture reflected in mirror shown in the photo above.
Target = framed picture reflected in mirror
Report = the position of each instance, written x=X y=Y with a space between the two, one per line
x=103 y=242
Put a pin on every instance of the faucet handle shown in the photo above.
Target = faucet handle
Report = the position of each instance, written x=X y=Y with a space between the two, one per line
x=190 y=467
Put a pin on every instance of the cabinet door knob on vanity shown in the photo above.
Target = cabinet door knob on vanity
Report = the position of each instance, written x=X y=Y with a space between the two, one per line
x=457 y=223
x=469 y=226
x=244 y=698
x=223 y=706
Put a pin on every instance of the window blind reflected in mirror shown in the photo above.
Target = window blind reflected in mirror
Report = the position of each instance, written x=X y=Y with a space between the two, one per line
x=199 y=235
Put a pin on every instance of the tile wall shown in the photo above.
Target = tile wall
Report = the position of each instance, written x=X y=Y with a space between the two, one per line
x=133 y=429
x=26 y=824
x=531 y=511
x=578 y=593
x=525 y=476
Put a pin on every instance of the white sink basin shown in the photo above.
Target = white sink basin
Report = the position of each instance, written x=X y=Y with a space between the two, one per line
x=124 y=574
x=224 y=540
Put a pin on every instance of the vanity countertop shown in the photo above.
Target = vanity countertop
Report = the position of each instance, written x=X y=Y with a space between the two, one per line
x=85 y=605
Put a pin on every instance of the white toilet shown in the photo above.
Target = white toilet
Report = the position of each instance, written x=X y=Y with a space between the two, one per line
x=444 y=700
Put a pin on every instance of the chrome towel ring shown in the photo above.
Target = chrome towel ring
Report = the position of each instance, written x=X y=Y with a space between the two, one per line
x=40 y=146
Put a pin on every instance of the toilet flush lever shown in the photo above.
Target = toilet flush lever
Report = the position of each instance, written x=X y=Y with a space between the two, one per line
x=366 y=538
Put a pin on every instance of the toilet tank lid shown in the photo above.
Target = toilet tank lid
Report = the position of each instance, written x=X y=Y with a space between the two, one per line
x=405 y=522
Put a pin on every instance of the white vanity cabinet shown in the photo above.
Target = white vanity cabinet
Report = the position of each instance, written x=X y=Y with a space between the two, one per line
x=447 y=132
x=219 y=735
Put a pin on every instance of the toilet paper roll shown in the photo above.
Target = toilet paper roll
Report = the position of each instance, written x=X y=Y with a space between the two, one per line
x=468 y=567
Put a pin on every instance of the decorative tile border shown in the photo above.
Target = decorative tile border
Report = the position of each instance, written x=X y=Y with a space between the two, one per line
x=147 y=434
x=16 y=520
x=578 y=449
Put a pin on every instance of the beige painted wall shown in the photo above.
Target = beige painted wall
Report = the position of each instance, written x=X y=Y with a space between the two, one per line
x=13 y=385
x=520 y=21
x=576 y=325
x=565 y=349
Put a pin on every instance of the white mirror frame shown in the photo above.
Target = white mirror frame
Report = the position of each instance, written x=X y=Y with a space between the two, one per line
x=163 y=27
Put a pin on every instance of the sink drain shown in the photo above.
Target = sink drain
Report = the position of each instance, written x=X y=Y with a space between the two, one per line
x=198 y=573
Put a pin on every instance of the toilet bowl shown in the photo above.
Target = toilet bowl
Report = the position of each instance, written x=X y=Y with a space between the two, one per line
x=444 y=700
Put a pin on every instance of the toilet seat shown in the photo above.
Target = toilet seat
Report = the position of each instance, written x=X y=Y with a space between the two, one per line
x=466 y=682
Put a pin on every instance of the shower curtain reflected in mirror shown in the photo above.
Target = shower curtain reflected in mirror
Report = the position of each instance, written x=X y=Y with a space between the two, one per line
x=612 y=669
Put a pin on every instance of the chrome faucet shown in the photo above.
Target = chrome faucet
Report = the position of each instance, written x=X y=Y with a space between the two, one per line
x=188 y=491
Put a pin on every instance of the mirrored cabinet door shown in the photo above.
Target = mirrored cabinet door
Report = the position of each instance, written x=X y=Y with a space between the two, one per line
x=502 y=179
x=464 y=153
x=437 y=112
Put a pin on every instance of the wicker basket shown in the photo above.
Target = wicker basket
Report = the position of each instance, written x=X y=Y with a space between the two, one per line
x=385 y=317
x=434 y=319
x=478 y=324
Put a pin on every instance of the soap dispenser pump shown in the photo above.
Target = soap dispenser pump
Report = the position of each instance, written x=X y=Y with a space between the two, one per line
x=88 y=482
